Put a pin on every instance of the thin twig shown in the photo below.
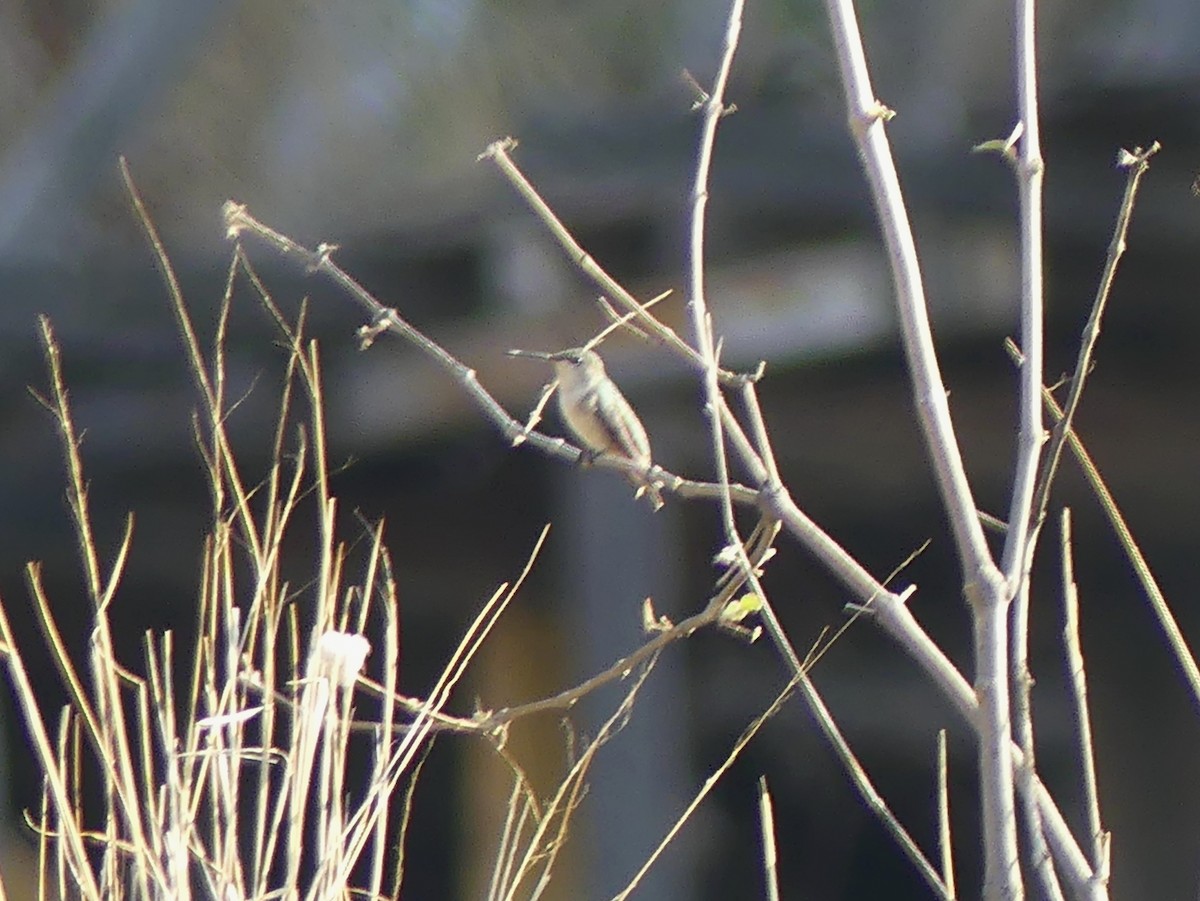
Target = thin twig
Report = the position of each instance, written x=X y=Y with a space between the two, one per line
x=766 y=822
x=1136 y=162
x=713 y=778
x=713 y=106
x=490 y=722
x=196 y=358
x=549 y=835
x=758 y=429
x=866 y=790
x=1077 y=674
x=713 y=109
x=1154 y=593
x=498 y=153
x=945 y=844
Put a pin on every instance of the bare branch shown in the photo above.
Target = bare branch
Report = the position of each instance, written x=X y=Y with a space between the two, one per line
x=1136 y=162
x=498 y=153
x=239 y=220
x=1077 y=674
x=1029 y=168
x=943 y=810
x=1037 y=853
x=1154 y=593
x=492 y=722
x=766 y=820
x=866 y=117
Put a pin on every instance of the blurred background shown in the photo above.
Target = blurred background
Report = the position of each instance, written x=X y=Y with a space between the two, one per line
x=360 y=123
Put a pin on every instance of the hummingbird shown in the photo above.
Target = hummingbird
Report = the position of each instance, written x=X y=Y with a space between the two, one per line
x=596 y=411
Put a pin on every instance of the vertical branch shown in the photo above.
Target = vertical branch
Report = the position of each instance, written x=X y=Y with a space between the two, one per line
x=866 y=117
x=714 y=108
x=1018 y=548
x=1038 y=853
x=983 y=583
x=1078 y=676
x=943 y=797
x=766 y=820
x=1029 y=168
x=1002 y=872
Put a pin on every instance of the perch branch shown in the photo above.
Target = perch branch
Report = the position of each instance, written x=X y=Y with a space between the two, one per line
x=239 y=220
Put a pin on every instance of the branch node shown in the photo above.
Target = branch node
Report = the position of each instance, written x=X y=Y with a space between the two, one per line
x=324 y=258
x=497 y=148
x=861 y=122
x=379 y=324
x=234 y=215
x=879 y=112
x=772 y=494
x=652 y=623
x=1136 y=158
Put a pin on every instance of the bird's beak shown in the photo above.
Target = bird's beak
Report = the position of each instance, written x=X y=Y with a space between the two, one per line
x=534 y=354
